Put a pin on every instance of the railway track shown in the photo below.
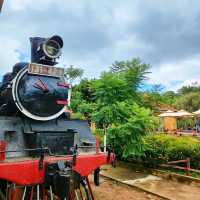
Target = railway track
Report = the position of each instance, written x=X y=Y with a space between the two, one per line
x=139 y=189
x=164 y=185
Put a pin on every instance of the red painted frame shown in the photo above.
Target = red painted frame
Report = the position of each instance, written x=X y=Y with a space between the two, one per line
x=27 y=172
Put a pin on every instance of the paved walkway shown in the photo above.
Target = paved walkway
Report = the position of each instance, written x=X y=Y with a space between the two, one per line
x=132 y=175
x=109 y=190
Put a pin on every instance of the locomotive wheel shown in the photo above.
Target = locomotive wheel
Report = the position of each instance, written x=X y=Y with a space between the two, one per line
x=3 y=186
x=12 y=192
x=83 y=192
x=96 y=176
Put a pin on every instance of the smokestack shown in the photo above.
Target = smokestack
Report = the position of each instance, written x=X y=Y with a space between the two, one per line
x=1 y=4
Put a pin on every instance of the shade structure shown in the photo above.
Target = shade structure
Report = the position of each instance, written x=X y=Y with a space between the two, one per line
x=197 y=112
x=180 y=113
x=168 y=113
x=170 y=118
x=183 y=113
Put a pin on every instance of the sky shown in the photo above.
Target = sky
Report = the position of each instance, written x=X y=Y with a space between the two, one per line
x=164 y=34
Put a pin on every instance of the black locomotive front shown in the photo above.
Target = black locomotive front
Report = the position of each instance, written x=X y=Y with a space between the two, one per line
x=37 y=89
x=40 y=97
x=33 y=98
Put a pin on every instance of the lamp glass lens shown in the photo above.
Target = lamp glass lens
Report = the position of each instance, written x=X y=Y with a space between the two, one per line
x=52 y=48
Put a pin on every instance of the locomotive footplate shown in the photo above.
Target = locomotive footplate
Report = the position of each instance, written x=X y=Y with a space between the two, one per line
x=58 y=142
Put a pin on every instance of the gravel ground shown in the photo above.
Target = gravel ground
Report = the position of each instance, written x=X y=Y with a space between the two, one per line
x=109 y=190
x=134 y=175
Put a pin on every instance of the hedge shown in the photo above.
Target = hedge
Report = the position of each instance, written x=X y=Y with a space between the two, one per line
x=161 y=148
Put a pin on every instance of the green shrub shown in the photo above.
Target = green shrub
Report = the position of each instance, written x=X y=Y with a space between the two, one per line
x=127 y=137
x=77 y=116
x=161 y=148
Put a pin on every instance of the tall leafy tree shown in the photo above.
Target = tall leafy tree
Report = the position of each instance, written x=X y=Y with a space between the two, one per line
x=86 y=90
x=188 y=89
x=72 y=73
x=189 y=102
x=112 y=101
x=115 y=94
x=83 y=98
x=110 y=88
x=121 y=82
x=134 y=72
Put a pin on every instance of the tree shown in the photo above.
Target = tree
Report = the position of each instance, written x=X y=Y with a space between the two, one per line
x=157 y=88
x=127 y=137
x=112 y=114
x=155 y=99
x=83 y=99
x=134 y=72
x=188 y=89
x=170 y=94
x=86 y=109
x=170 y=97
x=115 y=95
x=121 y=82
x=72 y=73
x=110 y=88
x=76 y=100
x=86 y=90
x=189 y=102
x=113 y=103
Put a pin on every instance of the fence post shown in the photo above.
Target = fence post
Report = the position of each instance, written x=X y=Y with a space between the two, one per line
x=188 y=166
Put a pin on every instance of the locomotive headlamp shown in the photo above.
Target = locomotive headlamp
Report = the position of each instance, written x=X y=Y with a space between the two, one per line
x=52 y=47
x=46 y=50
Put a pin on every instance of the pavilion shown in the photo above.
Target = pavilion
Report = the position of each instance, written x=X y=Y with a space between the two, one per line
x=170 y=120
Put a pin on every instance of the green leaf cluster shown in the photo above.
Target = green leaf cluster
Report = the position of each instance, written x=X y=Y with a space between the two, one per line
x=189 y=101
x=161 y=148
x=72 y=73
x=127 y=137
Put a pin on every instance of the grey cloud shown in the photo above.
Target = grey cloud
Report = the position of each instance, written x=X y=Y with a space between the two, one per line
x=96 y=33
x=83 y=33
x=172 y=34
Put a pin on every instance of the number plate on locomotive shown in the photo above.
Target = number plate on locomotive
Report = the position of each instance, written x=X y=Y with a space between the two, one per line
x=45 y=70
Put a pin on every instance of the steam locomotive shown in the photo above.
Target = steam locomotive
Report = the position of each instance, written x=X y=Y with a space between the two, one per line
x=44 y=154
